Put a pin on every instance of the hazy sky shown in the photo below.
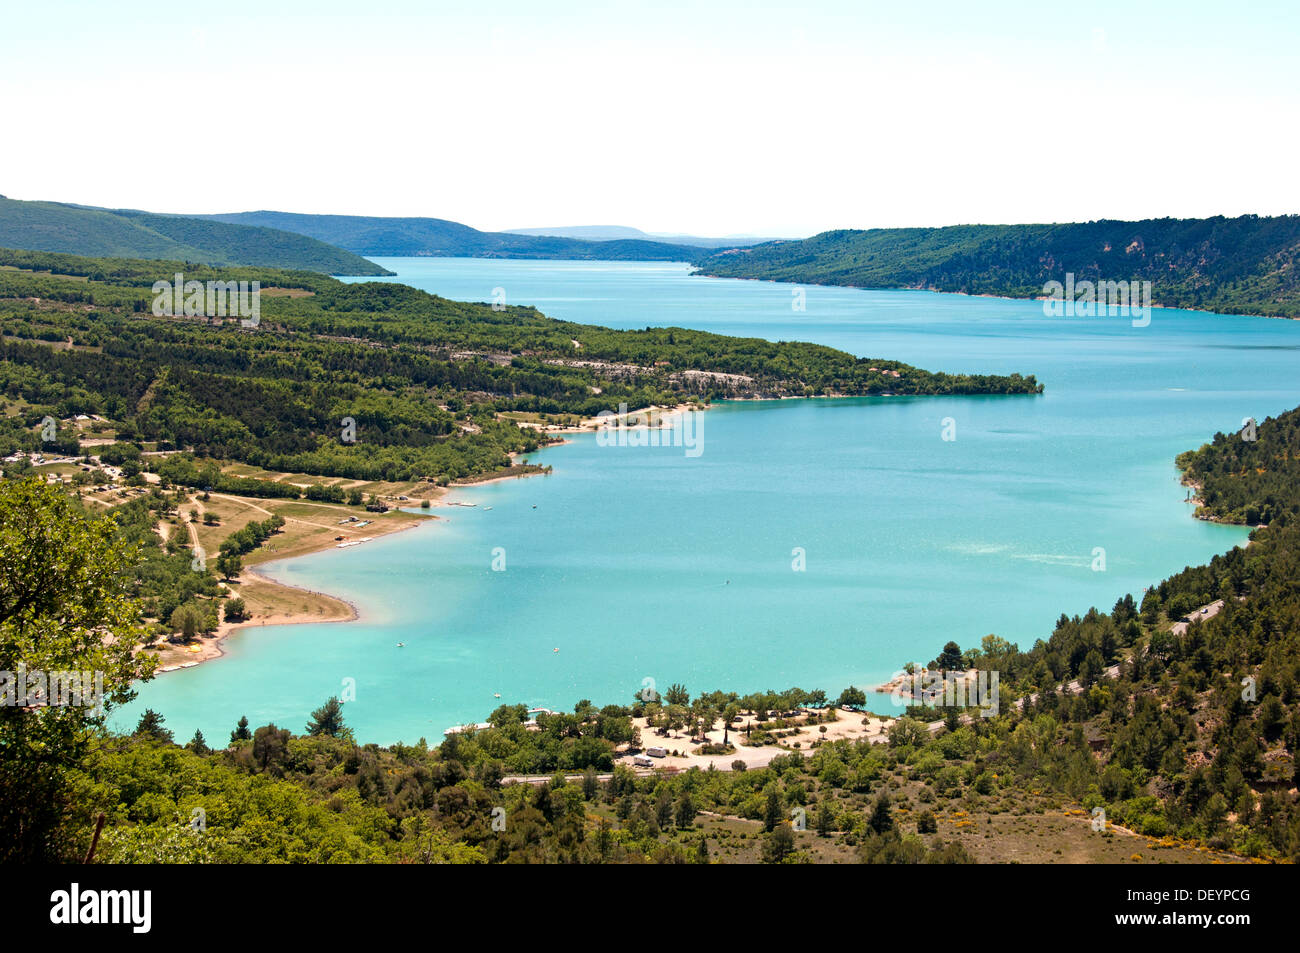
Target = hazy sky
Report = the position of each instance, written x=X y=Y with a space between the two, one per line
x=708 y=117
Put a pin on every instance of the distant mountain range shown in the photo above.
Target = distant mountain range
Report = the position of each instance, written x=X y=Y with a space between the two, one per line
x=1245 y=265
x=333 y=244
x=127 y=233
x=437 y=237
x=604 y=233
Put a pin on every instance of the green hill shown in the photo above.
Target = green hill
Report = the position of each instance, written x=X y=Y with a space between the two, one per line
x=1245 y=265
x=436 y=237
x=81 y=230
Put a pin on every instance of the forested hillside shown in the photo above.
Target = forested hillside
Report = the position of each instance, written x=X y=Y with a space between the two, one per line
x=1197 y=736
x=403 y=237
x=1246 y=265
x=1247 y=476
x=425 y=379
x=78 y=230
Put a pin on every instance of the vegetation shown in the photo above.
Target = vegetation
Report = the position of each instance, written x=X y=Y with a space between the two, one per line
x=1248 y=476
x=366 y=381
x=408 y=237
x=1246 y=265
x=1191 y=741
x=1182 y=732
x=79 y=230
x=65 y=606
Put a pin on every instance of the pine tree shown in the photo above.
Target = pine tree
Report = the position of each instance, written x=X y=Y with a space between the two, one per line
x=779 y=844
x=151 y=726
x=825 y=818
x=772 y=816
x=881 y=820
x=327 y=719
x=702 y=851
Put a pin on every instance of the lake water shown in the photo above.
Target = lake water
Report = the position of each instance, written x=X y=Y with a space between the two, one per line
x=635 y=563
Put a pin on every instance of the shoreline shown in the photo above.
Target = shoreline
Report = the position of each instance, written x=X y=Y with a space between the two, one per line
x=320 y=607
x=700 y=273
x=339 y=610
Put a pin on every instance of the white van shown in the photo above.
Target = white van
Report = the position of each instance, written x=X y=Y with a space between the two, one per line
x=657 y=752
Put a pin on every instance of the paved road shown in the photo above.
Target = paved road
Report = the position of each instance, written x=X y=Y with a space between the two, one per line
x=1205 y=612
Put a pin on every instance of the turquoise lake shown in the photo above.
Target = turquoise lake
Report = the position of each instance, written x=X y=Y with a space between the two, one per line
x=643 y=562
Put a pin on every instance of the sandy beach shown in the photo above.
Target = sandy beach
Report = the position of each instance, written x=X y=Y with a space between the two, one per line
x=273 y=603
x=801 y=737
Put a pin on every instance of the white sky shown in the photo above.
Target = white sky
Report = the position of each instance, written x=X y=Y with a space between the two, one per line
x=709 y=118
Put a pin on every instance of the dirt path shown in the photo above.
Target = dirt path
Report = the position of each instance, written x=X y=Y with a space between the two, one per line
x=339 y=527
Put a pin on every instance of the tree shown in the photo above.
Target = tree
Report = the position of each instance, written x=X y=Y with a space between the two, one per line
x=907 y=732
x=187 y=622
x=773 y=814
x=65 y=606
x=229 y=565
x=664 y=808
x=677 y=695
x=685 y=811
x=853 y=698
x=881 y=819
x=675 y=717
x=504 y=715
x=236 y=610
x=702 y=851
x=705 y=716
x=198 y=744
x=825 y=820
x=778 y=845
x=241 y=732
x=949 y=659
x=729 y=714
x=150 y=727
x=271 y=749
x=327 y=719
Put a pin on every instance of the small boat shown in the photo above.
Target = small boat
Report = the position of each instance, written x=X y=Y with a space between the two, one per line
x=401 y=645
x=496 y=694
